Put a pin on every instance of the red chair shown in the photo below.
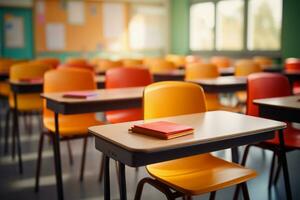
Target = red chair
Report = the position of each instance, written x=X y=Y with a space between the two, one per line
x=126 y=77
x=293 y=65
x=268 y=85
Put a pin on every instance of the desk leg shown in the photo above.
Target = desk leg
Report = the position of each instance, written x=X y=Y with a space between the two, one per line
x=122 y=181
x=16 y=133
x=235 y=154
x=106 y=178
x=283 y=161
x=57 y=160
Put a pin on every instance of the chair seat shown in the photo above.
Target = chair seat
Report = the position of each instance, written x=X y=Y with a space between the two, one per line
x=291 y=138
x=200 y=174
x=4 y=89
x=27 y=102
x=119 y=116
x=72 y=125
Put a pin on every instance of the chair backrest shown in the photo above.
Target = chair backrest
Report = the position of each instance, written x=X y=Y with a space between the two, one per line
x=170 y=98
x=263 y=61
x=177 y=60
x=127 y=77
x=5 y=64
x=193 y=59
x=160 y=65
x=76 y=61
x=221 y=61
x=87 y=66
x=54 y=62
x=201 y=70
x=28 y=70
x=244 y=67
x=292 y=64
x=104 y=64
x=132 y=62
x=265 y=85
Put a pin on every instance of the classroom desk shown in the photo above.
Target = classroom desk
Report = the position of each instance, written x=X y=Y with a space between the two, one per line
x=282 y=109
x=135 y=150
x=226 y=84
x=108 y=99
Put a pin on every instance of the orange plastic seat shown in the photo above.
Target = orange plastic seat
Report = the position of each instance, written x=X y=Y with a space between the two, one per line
x=54 y=62
x=161 y=65
x=64 y=80
x=293 y=65
x=5 y=65
x=103 y=64
x=193 y=59
x=177 y=60
x=27 y=102
x=132 y=62
x=126 y=77
x=263 y=62
x=206 y=71
x=221 y=61
x=193 y=175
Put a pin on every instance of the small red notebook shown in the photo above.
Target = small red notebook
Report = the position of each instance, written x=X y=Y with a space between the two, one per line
x=80 y=95
x=162 y=129
x=31 y=80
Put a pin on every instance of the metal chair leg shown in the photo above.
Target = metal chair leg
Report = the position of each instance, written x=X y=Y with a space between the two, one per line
x=6 y=131
x=101 y=169
x=212 y=195
x=237 y=192
x=277 y=173
x=245 y=156
x=39 y=162
x=83 y=159
x=271 y=171
x=70 y=153
x=245 y=191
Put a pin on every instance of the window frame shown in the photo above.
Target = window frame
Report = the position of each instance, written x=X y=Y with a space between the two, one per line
x=245 y=52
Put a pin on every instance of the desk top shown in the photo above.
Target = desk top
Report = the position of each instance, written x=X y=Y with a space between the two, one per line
x=209 y=127
x=289 y=102
x=222 y=81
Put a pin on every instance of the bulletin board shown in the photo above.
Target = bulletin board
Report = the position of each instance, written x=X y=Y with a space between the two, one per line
x=88 y=35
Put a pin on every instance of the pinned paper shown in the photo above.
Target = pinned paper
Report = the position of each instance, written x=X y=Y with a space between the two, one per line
x=14 y=31
x=55 y=36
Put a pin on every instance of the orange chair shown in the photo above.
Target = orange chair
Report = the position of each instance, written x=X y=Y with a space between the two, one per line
x=193 y=59
x=221 y=61
x=54 y=62
x=132 y=62
x=104 y=64
x=126 y=77
x=268 y=85
x=70 y=126
x=245 y=67
x=194 y=175
x=177 y=60
x=161 y=65
x=263 y=62
x=293 y=65
x=207 y=71
x=5 y=65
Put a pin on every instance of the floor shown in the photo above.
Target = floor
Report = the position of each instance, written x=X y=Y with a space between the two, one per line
x=16 y=186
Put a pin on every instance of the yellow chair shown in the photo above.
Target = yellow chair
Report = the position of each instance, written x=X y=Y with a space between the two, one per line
x=193 y=175
x=54 y=62
x=177 y=60
x=245 y=67
x=77 y=61
x=193 y=59
x=221 y=61
x=161 y=65
x=132 y=62
x=104 y=64
x=147 y=62
x=263 y=62
x=5 y=65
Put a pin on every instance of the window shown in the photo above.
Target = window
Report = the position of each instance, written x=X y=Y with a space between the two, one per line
x=230 y=25
x=202 y=19
x=264 y=26
x=147 y=29
x=226 y=25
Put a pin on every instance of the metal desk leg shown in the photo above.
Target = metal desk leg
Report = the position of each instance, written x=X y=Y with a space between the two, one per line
x=17 y=133
x=235 y=154
x=122 y=181
x=57 y=161
x=106 y=178
x=284 y=166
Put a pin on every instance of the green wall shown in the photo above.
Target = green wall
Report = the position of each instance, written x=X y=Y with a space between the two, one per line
x=179 y=26
x=291 y=29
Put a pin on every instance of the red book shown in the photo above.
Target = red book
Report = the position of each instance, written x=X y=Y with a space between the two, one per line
x=80 y=95
x=162 y=129
x=31 y=80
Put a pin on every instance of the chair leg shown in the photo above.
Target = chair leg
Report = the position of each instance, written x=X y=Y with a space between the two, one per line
x=187 y=197
x=117 y=170
x=158 y=185
x=272 y=171
x=237 y=192
x=39 y=162
x=6 y=131
x=70 y=153
x=212 y=195
x=101 y=169
x=245 y=191
x=245 y=156
x=83 y=158
x=277 y=173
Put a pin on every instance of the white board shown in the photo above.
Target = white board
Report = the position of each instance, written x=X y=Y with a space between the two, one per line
x=113 y=20
x=55 y=36
x=14 y=31
x=76 y=14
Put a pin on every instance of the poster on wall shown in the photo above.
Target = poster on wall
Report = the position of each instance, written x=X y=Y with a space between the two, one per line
x=14 y=31
x=113 y=20
x=76 y=14
x=55 y=36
